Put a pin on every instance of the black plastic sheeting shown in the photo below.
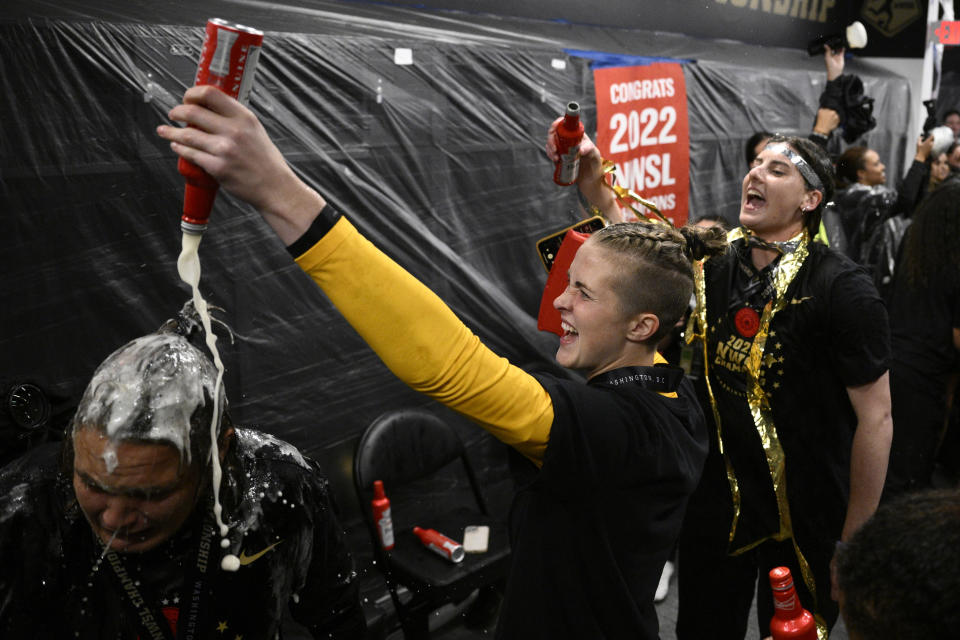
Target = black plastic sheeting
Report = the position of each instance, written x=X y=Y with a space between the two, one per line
x=440 y=163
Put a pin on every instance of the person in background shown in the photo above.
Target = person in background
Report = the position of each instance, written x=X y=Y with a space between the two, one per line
x=898 y=577
x=616 y=457
x=860 y=165
x=863 y=201
x=111 y=535
x=952 y=119
x=953 y=158
x=928 y=169
x=924 y=311
x=873 y=216
x=939 y=171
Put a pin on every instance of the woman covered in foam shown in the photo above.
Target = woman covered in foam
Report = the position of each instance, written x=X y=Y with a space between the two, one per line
x=115 y=526
x=156 y=389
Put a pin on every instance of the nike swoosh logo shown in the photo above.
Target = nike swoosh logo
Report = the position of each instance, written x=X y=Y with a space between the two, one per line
x=245 y=559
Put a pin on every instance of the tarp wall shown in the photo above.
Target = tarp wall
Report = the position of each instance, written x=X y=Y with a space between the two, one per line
x=440 y=163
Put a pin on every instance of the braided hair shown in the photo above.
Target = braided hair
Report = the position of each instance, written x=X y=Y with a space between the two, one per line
x=656 y=270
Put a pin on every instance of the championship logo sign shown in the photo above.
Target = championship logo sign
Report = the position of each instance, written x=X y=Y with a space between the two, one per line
x=642 y=128
x=890 y=17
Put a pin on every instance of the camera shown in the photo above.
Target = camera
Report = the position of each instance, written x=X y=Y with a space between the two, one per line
x=853 y=37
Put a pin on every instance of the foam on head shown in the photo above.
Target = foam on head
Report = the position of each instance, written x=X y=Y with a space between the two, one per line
x=150 y=390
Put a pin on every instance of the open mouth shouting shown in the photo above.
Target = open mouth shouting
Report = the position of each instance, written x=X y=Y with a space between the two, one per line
x=569 y=333
x=753 y=199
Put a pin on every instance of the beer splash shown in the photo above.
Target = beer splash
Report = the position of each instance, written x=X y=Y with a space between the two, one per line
x=188 y=266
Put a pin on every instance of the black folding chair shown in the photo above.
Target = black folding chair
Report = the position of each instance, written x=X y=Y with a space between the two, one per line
x=400 y=448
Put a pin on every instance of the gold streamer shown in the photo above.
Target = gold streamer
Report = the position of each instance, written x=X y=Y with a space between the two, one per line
x=624 y=195
x=759 y=405
x=697 y=329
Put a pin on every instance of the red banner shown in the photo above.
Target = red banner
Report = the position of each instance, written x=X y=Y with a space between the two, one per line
x=642 y=127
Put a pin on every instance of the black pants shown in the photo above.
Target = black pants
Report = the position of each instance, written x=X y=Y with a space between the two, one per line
x=716 y=590
x=919 y=416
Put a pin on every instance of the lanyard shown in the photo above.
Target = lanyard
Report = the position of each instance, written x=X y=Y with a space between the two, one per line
x=154 y=626
x=195 y=591
x=660 y=378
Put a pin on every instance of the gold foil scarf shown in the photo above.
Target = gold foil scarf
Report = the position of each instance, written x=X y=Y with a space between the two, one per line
x=758 y=402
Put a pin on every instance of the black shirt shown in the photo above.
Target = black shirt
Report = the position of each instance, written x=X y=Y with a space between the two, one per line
x=52 y=585
x=592 y=531
x=831 y=335
x=922 y=320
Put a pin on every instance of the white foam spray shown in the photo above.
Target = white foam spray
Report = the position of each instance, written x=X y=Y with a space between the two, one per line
x=106 y=549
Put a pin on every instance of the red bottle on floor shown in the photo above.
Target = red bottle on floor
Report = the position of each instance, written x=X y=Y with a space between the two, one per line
x=790 y=620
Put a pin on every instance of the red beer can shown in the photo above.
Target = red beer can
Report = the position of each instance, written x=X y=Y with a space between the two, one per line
x=229 y=56
x=228 y=61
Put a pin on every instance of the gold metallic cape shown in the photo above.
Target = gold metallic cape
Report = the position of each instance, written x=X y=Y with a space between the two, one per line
x=758 y=402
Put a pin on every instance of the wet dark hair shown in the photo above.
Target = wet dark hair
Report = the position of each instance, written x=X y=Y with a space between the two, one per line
x=749 y=149
x=657 y=273
x=898 y=573
x=931 y=252
x=158 y=388
x=820 y=162
x=849 y=163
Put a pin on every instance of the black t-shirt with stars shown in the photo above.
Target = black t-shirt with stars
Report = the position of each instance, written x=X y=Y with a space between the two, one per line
x=833 y=334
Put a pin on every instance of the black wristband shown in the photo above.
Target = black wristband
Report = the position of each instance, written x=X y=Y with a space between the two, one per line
x=818 y=138
x=324 y=221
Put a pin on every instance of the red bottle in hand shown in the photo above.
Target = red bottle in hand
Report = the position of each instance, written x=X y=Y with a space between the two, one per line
x=228 y=61
x=567 y=137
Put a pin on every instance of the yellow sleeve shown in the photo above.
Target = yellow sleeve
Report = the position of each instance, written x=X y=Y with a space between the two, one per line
x=659 y=359
x=424 y=344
